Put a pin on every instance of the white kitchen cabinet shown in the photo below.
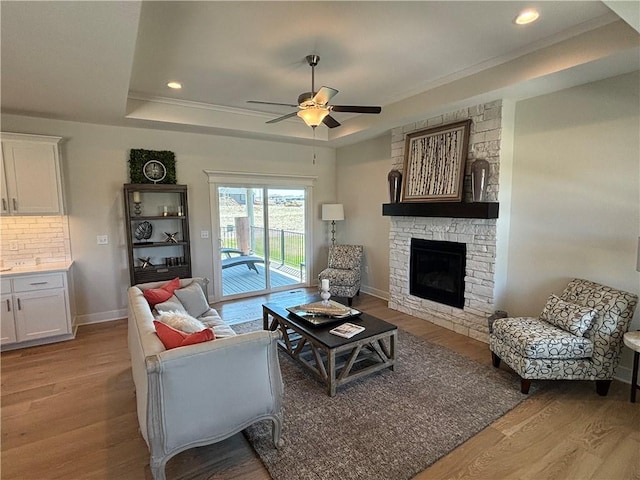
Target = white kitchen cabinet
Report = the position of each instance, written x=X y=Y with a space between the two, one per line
x=31 y=175
x=37 y=309
x=7 y=319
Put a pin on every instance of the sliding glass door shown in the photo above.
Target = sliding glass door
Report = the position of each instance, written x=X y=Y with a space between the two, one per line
x=261 y=239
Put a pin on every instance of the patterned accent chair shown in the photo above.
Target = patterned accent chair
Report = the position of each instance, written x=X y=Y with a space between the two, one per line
x=343 y=271
x=578 y=336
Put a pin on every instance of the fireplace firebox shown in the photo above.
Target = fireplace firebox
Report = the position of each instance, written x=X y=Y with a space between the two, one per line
x=437 y=270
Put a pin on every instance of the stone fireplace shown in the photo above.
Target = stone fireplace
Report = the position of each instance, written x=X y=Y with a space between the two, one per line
x=477 y=235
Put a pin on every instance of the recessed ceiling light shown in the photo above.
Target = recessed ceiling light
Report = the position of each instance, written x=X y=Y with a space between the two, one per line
x=174 y=85
x=527 y=16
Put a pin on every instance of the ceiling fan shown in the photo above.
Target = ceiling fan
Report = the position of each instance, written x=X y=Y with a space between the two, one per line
x=313 y=106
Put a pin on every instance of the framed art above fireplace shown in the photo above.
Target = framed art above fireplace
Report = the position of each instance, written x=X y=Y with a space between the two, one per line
x=434 y=162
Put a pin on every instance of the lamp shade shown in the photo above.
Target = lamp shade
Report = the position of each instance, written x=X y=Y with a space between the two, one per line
x=313 y=116
x=332 y=211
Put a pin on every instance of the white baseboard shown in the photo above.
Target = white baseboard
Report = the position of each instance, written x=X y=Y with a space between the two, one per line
x=101 y=317
x=623 y=374
x=374 y=292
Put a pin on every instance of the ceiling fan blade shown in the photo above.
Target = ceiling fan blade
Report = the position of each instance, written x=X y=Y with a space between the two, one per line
x=324 y=95
x=355 y=109
x=330 y=122
x=273 y=103
x=284 y=117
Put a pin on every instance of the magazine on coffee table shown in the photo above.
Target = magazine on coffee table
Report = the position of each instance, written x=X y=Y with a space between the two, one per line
x=347 y=330
x=319 y=313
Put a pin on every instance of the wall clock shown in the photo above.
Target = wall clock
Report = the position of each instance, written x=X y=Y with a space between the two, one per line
x=152 y=166
x=154 y=171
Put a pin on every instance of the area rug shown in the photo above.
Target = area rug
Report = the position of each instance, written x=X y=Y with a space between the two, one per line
x=390 y=425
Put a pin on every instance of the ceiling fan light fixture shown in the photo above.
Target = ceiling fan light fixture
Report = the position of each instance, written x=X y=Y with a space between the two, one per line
x=313 y=116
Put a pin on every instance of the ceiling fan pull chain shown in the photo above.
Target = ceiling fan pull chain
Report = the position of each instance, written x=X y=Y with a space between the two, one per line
x=314 y=144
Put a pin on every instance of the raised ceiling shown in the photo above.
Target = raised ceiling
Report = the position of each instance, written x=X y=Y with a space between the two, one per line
x=109 y=62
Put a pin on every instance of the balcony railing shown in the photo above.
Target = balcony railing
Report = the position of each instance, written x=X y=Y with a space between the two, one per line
x=286 y=248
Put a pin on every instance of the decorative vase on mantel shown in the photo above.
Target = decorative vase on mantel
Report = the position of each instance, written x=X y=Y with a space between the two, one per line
x=479 y=179
x=395 y=185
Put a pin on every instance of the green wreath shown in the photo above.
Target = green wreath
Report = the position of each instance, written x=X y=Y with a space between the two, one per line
x=139 y=157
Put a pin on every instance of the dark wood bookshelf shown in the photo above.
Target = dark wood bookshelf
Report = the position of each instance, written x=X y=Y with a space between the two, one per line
x=157 y=249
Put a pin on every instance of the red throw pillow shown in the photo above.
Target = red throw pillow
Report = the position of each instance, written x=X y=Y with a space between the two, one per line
x=172 y=338
x=161 y=294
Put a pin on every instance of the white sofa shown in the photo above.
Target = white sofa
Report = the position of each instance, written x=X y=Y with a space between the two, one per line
x=200 y=394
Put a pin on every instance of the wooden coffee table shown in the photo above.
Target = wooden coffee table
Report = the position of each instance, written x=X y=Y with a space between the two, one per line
x=335 y=360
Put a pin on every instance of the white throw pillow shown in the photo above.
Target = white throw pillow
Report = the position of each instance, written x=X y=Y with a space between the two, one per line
x=182 y=321
x=171 y=305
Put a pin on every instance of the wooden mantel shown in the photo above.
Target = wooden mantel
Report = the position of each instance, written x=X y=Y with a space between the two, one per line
x=441 y=209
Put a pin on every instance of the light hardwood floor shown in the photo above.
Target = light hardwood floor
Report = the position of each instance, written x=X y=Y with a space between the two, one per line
x=68 y=412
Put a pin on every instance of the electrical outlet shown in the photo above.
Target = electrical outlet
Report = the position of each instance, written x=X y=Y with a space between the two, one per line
x=13 y=245
x=23 y=263
x=102 y=239
x=204 y=233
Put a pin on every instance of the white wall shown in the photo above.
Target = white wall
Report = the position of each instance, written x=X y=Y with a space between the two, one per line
x=95 y=160
x=362 y=187
x=574 y=208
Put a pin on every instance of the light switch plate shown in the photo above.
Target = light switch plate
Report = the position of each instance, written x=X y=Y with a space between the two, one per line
x=102 y=239
x=204 y=233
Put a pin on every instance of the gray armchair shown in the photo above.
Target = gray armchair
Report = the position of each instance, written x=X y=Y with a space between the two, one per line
x=343 y=271
x=578 y=336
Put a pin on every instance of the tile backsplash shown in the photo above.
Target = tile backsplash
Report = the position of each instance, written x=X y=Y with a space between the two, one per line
x=45 y=238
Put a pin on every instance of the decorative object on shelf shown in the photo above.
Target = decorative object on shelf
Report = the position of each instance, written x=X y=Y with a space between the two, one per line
x=143 y=231
x=171 y=237
x=137 y=201
x=333 y=212
x=152 y=166
x=324 y=291
x=434 y=162
x=180 y=211
x=174 y=261
x=146 y=262
x=479 y=179
x=395 y=185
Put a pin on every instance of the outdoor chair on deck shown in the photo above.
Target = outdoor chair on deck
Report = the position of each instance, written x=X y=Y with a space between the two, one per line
x=343 y=271
x=578 y=336
x=232 y=257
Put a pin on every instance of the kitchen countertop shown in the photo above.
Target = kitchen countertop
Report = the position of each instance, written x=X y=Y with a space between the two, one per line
x=40 y=268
